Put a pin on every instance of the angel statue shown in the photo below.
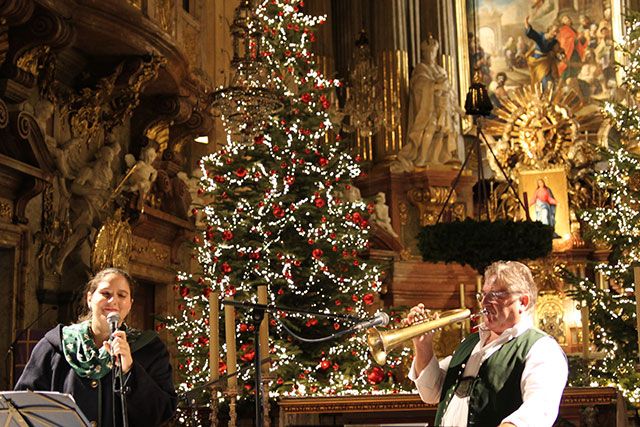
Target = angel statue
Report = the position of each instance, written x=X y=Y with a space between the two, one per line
x=89 y=192
x=141 y=175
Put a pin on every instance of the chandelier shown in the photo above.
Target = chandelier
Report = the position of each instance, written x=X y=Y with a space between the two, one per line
x=248 y=101
x=364 y=106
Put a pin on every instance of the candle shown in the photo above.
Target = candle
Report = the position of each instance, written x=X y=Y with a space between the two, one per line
x=462 y=295
x=214 y=337
x=636 y=279
x=479 y=283
x=230 y=338
x=264 y=328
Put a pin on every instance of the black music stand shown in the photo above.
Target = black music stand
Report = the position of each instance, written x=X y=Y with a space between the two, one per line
x=40 y=409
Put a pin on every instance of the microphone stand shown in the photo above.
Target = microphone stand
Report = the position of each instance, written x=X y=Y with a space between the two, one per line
x=116 y=374
x=121 y=391
x=257 y=313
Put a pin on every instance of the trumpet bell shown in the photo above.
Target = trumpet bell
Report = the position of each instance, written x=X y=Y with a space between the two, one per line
x=381 y=343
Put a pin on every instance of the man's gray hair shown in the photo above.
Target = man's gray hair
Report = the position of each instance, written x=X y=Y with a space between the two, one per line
x=513 y=276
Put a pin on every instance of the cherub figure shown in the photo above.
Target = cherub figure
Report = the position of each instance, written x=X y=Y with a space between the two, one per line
x=142 y=174
x=380 y=215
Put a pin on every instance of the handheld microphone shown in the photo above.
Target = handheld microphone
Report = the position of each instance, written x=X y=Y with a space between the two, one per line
x=380 y=319
x=113 y=319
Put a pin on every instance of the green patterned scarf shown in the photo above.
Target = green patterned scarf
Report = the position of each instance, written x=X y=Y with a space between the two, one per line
x=82 y=354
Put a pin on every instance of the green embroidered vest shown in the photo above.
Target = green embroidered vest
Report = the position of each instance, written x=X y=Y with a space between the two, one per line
x=495 y=392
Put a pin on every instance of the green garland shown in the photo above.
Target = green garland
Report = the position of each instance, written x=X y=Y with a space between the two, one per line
x=480 y=243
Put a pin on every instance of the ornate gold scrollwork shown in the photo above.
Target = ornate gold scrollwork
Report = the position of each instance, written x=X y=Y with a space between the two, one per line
x=550 y=315
x=111 y=102
x=5 y=210
x=165 y=14
x=536 y=129
x=429 y=202
x=113 y=244
x=503 y=203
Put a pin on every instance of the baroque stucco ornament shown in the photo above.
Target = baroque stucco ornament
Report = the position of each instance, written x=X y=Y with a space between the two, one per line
x=537 y=129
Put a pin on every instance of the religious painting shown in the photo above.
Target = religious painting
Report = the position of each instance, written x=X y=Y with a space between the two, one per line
x=545 y=42
x=546 y=195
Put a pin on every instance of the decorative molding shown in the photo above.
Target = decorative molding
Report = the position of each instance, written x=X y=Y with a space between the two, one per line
x=166 y=15
x=30 y=50
x=12 y=13
x=359 y=408
x=150 y=251
x=6 y=210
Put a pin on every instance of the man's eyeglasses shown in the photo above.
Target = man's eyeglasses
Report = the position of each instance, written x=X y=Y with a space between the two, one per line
x=493 y=295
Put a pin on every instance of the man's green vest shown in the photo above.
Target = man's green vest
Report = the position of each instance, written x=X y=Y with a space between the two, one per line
x=495 y=391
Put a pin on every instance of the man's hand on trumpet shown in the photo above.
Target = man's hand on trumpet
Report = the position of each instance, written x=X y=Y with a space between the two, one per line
x=423 y=344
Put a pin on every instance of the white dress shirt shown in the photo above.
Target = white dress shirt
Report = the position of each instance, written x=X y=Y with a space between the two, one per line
x=542 y=383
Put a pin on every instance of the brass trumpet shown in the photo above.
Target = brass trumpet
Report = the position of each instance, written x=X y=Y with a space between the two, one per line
x=380 y=343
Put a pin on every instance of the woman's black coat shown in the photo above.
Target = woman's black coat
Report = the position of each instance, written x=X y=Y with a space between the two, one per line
x=151 y=397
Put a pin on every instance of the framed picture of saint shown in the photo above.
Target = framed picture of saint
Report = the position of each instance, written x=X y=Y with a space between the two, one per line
x=547 y=198
x=568 y=43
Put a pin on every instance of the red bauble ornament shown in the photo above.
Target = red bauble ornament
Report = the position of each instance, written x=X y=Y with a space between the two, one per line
x=306 y=98
x=226 y=268
x=227 y=235
x=323 y=162
x=278 y=212
x=319 y=202
x=375 y=375
x=317 y=253
x=184 y=291
x=368 y=299
x=325 y=364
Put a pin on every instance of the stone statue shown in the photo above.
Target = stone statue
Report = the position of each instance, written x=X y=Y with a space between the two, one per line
x=434 y=114
x=197 y=200
x=380 y=215
x=90 y=191
x=142 y=174
x=352 y=194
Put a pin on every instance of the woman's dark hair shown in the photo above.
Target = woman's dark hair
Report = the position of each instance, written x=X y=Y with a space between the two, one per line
x=92 y=285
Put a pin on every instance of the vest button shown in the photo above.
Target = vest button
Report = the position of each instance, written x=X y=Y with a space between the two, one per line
x=94 y=424
x=94 y=383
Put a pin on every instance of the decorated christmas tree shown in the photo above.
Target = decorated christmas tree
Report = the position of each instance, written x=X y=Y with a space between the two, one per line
x=615 y=226
x=284 y=216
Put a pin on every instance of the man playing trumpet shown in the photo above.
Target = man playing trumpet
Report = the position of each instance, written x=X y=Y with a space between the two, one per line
x=508 y=373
